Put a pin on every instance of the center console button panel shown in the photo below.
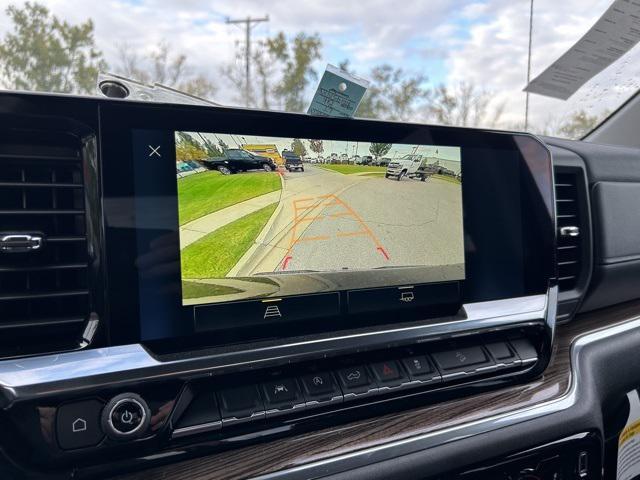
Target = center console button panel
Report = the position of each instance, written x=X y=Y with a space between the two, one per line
x=253 y=402
x=280 y=396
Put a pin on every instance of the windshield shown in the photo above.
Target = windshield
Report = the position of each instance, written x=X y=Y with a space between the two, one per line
x=462 y=63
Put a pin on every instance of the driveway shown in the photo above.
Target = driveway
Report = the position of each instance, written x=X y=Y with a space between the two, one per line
x=330 y=221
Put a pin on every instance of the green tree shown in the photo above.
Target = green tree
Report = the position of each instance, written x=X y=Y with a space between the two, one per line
x=45 y=53
x=298 y=147
x=380 y=149
x=393 y=94
x=187 y=138
x=316 y=146
x=579 y=124
x=188 y=148
x=297 y=71
x=282 y=71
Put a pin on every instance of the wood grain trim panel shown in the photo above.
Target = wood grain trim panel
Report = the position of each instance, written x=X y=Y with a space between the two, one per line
x=323 y=444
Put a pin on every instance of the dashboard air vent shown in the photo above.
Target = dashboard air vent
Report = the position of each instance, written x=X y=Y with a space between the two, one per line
x=569 y=229
x=43 y=246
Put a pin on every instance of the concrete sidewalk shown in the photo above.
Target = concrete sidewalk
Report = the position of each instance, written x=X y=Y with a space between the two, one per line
x=195 y=230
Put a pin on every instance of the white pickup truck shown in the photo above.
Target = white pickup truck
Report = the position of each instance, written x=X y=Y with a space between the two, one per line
x=406 y=166
x=417 y=166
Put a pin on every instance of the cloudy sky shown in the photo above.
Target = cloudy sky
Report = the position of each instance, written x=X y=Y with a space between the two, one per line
x=484 y=42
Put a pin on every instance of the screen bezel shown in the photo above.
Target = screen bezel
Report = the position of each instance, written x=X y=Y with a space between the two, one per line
x=119 y=119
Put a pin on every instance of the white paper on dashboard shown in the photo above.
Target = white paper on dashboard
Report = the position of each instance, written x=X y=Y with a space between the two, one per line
x=613 y=35
x=629 y=442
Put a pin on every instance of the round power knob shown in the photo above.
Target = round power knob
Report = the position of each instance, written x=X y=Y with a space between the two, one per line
x=126 y=416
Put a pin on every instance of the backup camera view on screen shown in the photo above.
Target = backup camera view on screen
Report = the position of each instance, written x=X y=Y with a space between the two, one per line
x=265 y=216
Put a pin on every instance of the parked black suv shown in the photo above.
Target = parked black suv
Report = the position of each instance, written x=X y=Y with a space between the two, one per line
x=292 y=161
x=238 y=160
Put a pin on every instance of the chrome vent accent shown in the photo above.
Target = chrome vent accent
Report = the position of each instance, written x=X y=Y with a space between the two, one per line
x=44 y=260
x=568 y=214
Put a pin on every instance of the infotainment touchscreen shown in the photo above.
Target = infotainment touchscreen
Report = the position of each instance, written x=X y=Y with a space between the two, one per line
x=263 y=216
x=250 y=225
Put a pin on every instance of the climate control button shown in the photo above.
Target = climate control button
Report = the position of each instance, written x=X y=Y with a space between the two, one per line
x=125 y=416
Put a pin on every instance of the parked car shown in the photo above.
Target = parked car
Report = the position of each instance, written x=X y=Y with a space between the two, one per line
x=367 y=160
x=238 y=160
x=382 y=162
x=356 y=160
x=292 y=161
x=405 y=166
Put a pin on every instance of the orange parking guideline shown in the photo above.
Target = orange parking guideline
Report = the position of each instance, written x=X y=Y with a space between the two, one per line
x=334 y=200
x=313 y=239
x=352 y=234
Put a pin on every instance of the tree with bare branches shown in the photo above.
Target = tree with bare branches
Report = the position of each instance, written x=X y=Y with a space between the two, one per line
x=163 y=66
x=464 y=105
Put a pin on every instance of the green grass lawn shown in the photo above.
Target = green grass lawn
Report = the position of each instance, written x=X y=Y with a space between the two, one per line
x=349 y=169
x=447 y=178
x=215 y=254
x=197 y=290
x=208 y=192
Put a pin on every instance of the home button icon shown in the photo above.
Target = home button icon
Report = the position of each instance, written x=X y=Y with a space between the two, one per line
x=78 y=424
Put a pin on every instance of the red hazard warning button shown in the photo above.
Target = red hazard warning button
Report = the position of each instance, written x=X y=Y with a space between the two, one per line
x=389 y=373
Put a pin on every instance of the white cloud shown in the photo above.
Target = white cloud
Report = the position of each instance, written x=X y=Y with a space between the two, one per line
x=495 y=57
x=481 y=41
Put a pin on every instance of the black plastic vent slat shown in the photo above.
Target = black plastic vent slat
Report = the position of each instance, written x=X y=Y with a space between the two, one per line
x=35 y=268
x=44 y=158
x=66 y=239
x=44 y=294
x=568 y=214
x=39 y=295
x=45 y=322
x=41 y=212
x=40 y=185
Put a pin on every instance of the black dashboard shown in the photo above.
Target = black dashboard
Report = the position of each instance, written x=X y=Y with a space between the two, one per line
x=157 y=304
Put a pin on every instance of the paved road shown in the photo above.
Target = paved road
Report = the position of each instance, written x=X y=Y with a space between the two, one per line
x=330 y=221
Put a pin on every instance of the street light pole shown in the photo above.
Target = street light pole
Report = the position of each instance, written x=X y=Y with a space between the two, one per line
x=249 y=23
x=526 y=105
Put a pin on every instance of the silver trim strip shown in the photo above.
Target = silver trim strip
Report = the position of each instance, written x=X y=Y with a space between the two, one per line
x=407 y=446
x=35 y=377
x=199 y=428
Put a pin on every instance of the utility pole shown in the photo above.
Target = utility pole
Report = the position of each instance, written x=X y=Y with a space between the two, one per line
x=249 y=23
x=526 y=104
